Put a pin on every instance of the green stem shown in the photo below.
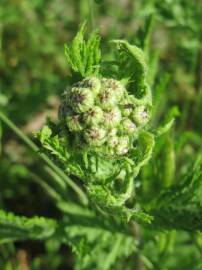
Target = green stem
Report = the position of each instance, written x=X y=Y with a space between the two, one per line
x=51 y=192
x=56 y=177
x=82 y=196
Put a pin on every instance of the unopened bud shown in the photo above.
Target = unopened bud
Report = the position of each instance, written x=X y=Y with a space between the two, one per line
x=93 y=83
x=95 y=136
x=112 y=141
x=112 y=117
x=93 y=116
x=127 y=109
x=122 y=147
x=128 y=126
x=81 y=99
x=64 y=110
x=140 y=115
x=107 y=99
x=112 y=132
x=115 y=87
x=73 y=123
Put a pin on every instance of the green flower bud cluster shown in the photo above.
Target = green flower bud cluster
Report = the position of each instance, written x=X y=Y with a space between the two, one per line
x=101 y=115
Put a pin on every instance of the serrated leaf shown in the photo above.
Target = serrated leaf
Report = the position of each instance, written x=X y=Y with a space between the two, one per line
x=20 y=228
x=45 y=134
x=84 y=56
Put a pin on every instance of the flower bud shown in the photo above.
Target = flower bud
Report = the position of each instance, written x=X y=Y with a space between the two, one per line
x=112 y=132
x=93 y=83
x=81 y=99
x=128 y=126
x=127 y=109
x=123 y=144
x=102 y=114
x=95 y=136
x=112 y=141
x=115 y=87
x=73 y=123
x=107 y=99
x=64 y=110
x=93 y=116
x=140 y=115
x=112 y=117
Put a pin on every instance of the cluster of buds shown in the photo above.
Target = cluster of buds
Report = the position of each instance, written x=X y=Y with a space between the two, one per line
x=101 y=115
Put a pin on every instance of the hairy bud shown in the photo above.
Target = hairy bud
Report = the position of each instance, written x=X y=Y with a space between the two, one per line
x=140 y=115
x=93 y=116
x=82 y=99
x=128 y=126
x=95 y=136
x=115 y=87
x=93 y=83
x=112 y=117
x=123 y=145
x=102 y=114
x=127 y=109
x=73 y=123
x=107 y=99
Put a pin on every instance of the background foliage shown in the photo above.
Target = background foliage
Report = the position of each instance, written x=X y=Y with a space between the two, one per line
x=34 y=71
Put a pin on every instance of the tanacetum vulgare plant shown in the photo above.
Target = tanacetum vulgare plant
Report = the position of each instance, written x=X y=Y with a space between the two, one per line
x=94 y=153
x=103 y=123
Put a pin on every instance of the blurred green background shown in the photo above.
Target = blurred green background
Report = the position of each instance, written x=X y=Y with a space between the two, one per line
x=33 y=73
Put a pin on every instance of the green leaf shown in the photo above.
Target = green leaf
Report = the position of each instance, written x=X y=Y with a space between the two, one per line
x=74 y=209
x=144 y=152
x=45 y=134
x=135 y=54
x=180 y=206
x=84 y=56
x=52 y=144
x=103 y=237
x=164 y=129
x=14 y=228
x=168 y=122
x=133 y=68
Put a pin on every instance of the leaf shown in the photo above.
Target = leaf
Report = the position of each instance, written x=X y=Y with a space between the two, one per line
x=145 y=149
x=14 y=228
x=180 y=206
x=132 y=66
x=74 y=209
x=52 y=143
x=145 y=33
x=168 y=122
x=164 y=129
x=114 y=202
x=45 y=134
x=135 y=55
x=114 y=253
x=84 y=57
x=97 y=241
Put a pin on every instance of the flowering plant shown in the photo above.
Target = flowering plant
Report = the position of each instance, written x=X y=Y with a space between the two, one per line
x=102 y=135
